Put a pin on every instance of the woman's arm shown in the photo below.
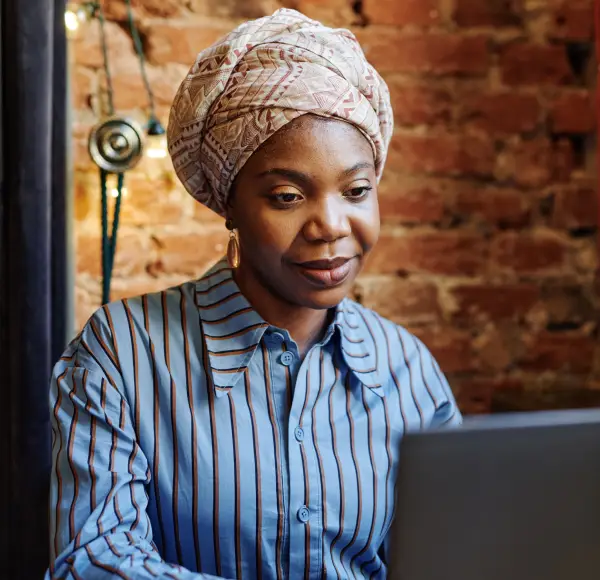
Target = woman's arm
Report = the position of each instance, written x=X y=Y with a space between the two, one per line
x=98 y=522
x=447 y=414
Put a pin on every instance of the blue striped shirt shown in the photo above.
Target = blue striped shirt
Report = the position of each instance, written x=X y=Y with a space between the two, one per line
x=190 y=440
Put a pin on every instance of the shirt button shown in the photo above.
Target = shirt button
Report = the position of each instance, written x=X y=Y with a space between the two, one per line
x=303 y=514
x=299 y=433
x=278 y=337
x=287 y=358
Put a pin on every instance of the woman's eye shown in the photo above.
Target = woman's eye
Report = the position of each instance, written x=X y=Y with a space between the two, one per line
x=358 y=193
x=286 y=198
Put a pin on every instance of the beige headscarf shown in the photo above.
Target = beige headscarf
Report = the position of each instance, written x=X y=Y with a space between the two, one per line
x=258 y=78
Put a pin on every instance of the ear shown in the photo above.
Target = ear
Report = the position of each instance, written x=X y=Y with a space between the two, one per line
x=229 y=207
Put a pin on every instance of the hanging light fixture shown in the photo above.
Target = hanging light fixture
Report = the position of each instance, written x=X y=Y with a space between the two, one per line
x=117 y=144
x=156 y=145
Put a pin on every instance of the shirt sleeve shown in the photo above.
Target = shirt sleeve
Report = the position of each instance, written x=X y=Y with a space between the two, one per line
x=447 y=413
x=99 y=527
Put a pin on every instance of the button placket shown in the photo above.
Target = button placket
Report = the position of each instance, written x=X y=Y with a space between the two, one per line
x=286 y=358
x=303 y=514
x=278 y=337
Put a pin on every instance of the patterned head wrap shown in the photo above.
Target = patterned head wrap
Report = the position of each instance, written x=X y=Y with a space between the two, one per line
x=258 y=78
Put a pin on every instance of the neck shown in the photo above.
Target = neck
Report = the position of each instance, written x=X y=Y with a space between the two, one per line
x=305 y=325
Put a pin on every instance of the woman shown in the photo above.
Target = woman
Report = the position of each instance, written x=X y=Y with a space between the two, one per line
x=246 y=425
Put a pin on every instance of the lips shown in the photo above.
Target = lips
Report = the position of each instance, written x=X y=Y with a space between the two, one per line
x=327 y=272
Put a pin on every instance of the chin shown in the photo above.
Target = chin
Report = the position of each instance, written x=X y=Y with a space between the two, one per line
x=322 y=299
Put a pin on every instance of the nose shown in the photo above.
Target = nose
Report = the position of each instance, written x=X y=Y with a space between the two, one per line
x=328 y=220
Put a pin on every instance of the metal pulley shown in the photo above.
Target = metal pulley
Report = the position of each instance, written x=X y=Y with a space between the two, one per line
x=116 y=144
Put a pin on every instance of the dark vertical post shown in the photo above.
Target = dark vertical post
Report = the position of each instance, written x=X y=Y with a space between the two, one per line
x=32 y=283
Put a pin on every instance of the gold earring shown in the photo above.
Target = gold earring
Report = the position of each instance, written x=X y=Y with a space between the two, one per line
x=233 y=247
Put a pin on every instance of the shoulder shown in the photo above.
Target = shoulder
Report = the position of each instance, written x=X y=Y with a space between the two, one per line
x=382 y=332
x=110 y=331
x=400 y=355
x=406 y=370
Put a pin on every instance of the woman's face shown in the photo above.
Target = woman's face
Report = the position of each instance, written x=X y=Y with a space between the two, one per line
x=305 y=206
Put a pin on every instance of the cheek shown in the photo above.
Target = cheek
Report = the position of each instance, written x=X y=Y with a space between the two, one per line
x=270 y=235
x=366 y=227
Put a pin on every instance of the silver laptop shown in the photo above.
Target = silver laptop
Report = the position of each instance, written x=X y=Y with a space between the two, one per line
x=505 y=497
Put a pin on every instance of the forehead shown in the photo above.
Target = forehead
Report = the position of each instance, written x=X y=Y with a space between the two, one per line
x=310 y=137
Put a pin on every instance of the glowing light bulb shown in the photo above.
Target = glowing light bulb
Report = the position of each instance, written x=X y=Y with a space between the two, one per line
x=76 y=14
x=112 y=189
x=71 y=20
x=156 y=144
x=157 y=148
x=114 y=192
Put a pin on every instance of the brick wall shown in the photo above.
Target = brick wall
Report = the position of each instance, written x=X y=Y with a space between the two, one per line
x=488 y=204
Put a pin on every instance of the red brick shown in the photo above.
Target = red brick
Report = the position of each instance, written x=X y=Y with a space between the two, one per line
x=83 y=86
x=407 y=12
x=435 y=53
x=329 y=12
x=117 y=9
x=563 y=160
x=502 y=207
x=451 y=348
x=402 y=201
x=190 y=253
x=419 y=104
x=496 y=348
x=143 y=285
x=235 y=8
x=575 y=207
x=87 y=50
x=495 y=13
x=535 y=64
x=528 y=162
x=529 y=252
x=81 y=157
x=85 y=305
x=559 y=352
x=533 y=162
x=442 y=154
x=129 y=89
x=431 y=252
x=131 y=258
x=147 y=200
x=501 y=112
x=476 y=395
x=572 y=112
x=153 y=200
x=573 y=20
x=204 y=215
x=586 y=257
x=562 y=391
x=86 y=187
x=180 y=42
x=568 y=304
x=403 y=301
x=494 y=302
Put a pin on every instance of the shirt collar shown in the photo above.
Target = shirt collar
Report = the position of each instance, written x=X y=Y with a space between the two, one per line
x=357 y=344
x=232 y=330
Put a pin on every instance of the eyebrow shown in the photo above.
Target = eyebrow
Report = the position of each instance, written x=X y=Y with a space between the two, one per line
x=300 y=177
x=356 y=167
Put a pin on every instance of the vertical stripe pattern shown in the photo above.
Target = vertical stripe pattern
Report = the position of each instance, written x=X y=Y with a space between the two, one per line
x=190 y=436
